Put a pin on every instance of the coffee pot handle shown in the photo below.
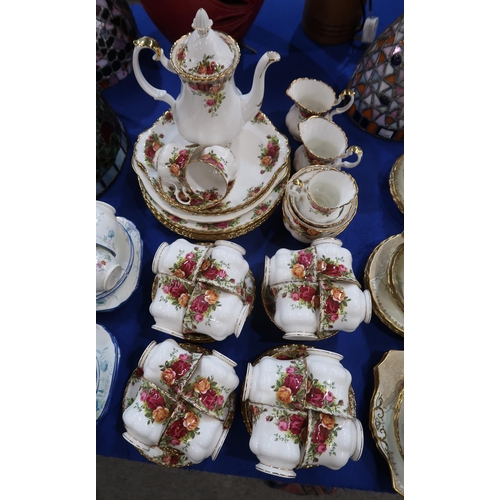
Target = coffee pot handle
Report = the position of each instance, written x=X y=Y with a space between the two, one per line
x=338 y=111
x=149 y=43
x=348 y=164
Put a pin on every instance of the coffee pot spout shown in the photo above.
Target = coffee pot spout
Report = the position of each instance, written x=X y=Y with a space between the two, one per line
x=252 y=102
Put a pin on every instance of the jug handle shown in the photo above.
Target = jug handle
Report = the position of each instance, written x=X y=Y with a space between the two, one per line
x=348 y=164
x=337 y=111
x=149 y=43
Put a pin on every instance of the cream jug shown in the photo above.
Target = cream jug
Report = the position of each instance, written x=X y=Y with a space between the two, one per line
x=209 y=109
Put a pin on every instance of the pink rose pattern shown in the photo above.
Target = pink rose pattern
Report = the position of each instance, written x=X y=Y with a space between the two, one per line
x=182 y=428
x=269 y=153
x=319 y=396
x=302 y=295
x=152 y=401
x=320 y=438
x=204 y=301
x=216 y=273
x=186 y=264
x=153 y=143
x=333 y=269
x=176 y=370
x=290 y=385
x=207 y=395
x=333 y=306
x=176 y=291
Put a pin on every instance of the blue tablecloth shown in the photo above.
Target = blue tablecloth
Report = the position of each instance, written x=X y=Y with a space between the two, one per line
x=277 y=27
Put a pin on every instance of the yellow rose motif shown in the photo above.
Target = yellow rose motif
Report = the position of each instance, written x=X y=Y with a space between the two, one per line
x=266 y=160
x=202 y=386
x=174 y=169
x=211 y=296
x=160 y=414
x=298 y=271
x=321 y=265
x=337 y=294
x=183 y=300
x=205 y=265
x=284 y=395
x=179 y=273
x=315 y=301
x=168 y=376
x=312 y=232
x=327 y=421
x=190 y=421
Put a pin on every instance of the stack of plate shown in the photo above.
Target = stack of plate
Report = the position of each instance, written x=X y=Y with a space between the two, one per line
x=129 y=256
x=263 y=154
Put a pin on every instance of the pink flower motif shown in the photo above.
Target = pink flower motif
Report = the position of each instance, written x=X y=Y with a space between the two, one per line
x=321 y=448
x=210 y=102
x=290 y=369
x=329 y=397
x=143 y=396
x=221 y=273
x=295 y=296
x=283 y=425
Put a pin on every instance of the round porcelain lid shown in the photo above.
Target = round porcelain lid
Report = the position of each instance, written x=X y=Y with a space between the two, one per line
x=204 y=52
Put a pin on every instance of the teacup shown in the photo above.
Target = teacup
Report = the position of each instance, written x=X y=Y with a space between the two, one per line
x=325 y=197
x=324 y=143
x=297 y=306
x=179 y=258
x=332 y=441
x=170 y=299
x=194 y=433
x=107 y=270
x=343 y=306
x=333 y=261
x=328 y=383
x=276 y=382
x=147 y=417
x=277 y=437
x=313 y=98
x=290 y=265
x=211 y=384
x=224 y=266
x=106 y=226
x=215 y=312
x=168 y=365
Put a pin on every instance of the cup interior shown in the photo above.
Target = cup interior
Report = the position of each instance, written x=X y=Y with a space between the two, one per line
x=331 y=189
x=313 y=95
x=322 y=138
x=203 y=177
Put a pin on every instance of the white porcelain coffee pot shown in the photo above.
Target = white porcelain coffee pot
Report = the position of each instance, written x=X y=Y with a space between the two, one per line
x=209 y=110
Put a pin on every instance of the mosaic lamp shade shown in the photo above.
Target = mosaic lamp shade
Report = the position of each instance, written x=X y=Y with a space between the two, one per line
x=378 y=82
x=111 y=144
x=116 y=30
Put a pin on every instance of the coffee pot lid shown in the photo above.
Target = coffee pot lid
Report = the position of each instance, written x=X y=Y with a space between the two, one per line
x=204 y=52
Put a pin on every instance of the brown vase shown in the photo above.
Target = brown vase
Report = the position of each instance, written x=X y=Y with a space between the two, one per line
x=332 y=22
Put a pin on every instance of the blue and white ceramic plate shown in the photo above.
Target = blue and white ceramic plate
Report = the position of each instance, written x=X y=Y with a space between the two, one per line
x=125 y=290
x=107 y=356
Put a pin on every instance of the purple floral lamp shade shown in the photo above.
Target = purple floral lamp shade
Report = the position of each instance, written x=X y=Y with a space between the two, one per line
x=378 y=82
x=115 y=32
x=111 y=144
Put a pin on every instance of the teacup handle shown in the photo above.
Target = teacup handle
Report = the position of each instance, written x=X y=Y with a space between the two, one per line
x=349 y=164
x=338 y=111
x=150 y=43
x=296 y=187
x=178 y=188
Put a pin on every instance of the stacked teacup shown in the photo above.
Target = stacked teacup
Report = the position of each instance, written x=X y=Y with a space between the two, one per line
x=114 y=251
x=201 y=291
x=319 y=202
x=301 y=413
x=181 y=402
x=311 y=294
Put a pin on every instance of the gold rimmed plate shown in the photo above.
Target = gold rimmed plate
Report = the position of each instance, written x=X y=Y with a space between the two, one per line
x=396 y=183
x=389 y=383
x=395 y=276
x=376 y=281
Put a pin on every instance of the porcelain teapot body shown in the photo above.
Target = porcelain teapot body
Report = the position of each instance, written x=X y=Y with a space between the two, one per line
x=210 y=109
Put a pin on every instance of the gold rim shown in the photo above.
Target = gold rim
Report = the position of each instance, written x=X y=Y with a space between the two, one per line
x=396 y=195
x=397 y=411
x=379 y=311
x=394 y=288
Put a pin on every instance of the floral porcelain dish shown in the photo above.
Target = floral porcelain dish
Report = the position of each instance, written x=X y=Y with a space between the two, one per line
x=122 y=293
x=107 y=355
x=263 y=154
x=389 y=383
x=297 y=404
x=376 y=281
x=188 y=434
x=396 y=183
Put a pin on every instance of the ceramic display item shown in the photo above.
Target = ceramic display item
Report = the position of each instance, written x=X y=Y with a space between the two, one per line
x=395 y=276
x=386 y=400
x=375 y=278
x=324 y=143
x=108 y=271
x=289 y=423
x=115 y=32
x=111 y=144
x=396 y=183
x=107 y=354
x=209 y=110
x=378 y=82
x=174 y=17
x=106 y=226
x=189 y=434
x=313 y=98
x=124 y=290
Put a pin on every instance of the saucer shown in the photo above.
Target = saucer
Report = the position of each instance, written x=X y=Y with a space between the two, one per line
x=389 y=381
x=124 y=257
x=129 y=284
x=165 y=455
x=261 y=150
x=395 y=276
x=375 y=279
x=396 y=183
x=107 y=354
x=227 y=226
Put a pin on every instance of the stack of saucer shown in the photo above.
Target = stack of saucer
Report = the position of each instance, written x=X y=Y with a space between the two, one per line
x=118 y=257
x=263 y=157
x=319 y=202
